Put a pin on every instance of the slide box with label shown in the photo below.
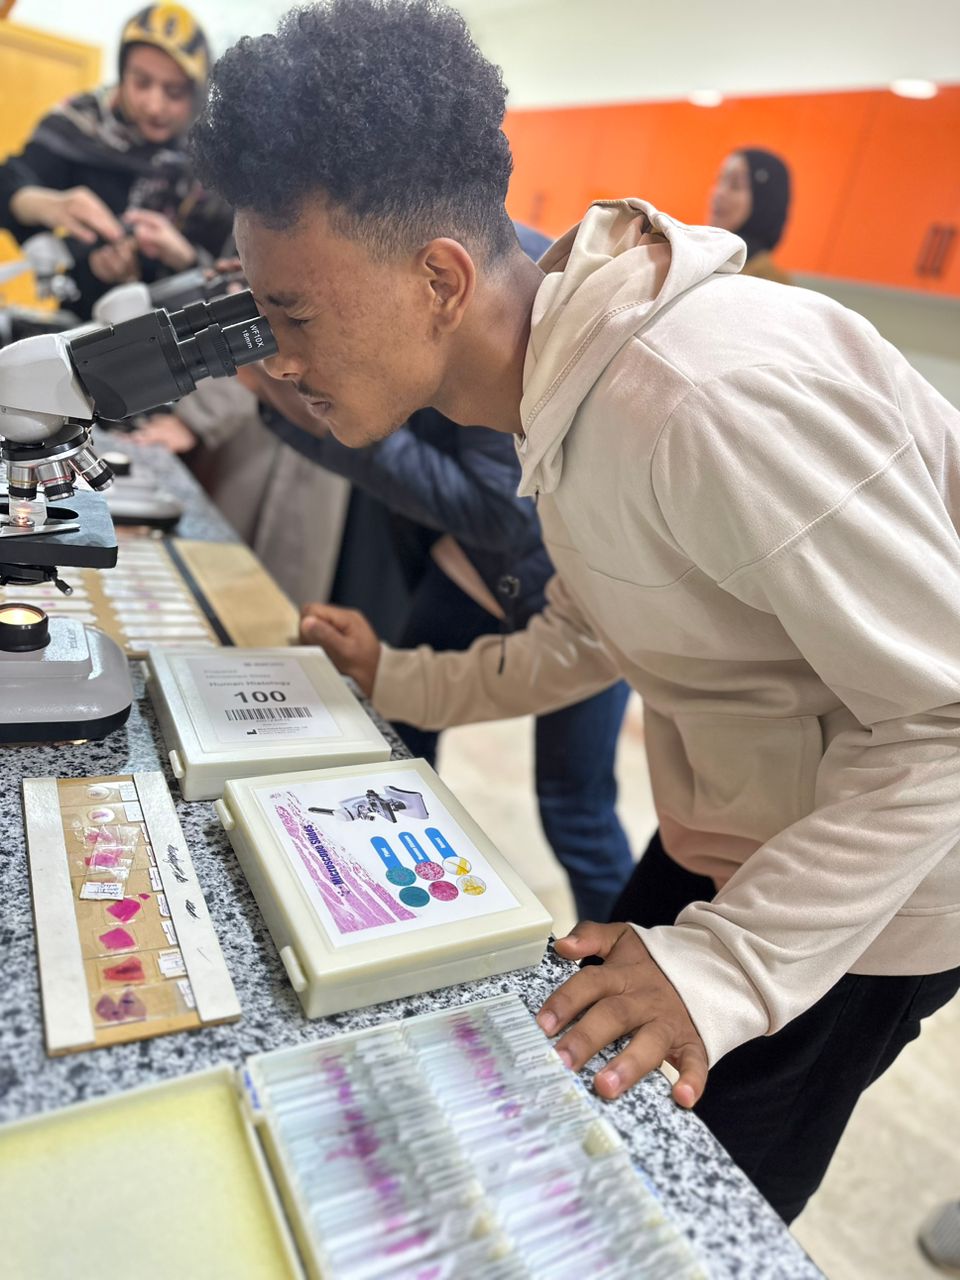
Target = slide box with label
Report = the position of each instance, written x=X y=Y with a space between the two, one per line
x=376 y=883
x=234 y=713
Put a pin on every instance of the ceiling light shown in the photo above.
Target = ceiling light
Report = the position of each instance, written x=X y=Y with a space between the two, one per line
x=914 y=88
x=706 y=97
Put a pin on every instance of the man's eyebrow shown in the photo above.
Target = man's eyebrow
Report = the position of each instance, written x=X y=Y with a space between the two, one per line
x=285 y=300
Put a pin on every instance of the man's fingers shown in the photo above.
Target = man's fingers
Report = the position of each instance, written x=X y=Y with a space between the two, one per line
x=691 y=1062
x=643 y=1054
x=606 y=1021
x=331 y=637
x=144 y=218
x=343 y=621
x=576 y=994
x=78 y=230
x=587 y=938
x=90 y=210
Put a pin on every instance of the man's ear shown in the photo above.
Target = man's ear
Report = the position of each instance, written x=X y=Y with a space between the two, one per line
x=450 y=274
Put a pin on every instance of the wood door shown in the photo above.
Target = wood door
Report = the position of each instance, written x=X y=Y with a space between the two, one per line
x=37 y=70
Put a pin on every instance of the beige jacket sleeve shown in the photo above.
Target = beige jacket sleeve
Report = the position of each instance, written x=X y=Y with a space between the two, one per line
x=217 y=410
x=556 y=661
x=856 y=555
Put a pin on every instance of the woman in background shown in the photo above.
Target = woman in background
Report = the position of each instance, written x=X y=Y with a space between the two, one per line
x=109 y=168
x=751 y=198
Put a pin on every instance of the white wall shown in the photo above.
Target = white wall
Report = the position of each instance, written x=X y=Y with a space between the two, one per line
x=101 y=22
x=575 y=51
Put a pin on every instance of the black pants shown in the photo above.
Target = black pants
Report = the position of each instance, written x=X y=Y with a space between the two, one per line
x=780 y=1103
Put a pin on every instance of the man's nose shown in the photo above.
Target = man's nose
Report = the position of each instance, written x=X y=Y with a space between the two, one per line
x=155 y=102
x=283 y=365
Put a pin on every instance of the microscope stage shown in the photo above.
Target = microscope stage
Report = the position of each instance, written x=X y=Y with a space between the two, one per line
x=90 y=542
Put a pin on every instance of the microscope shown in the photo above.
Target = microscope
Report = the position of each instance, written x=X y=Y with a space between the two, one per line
x=199 y=284
x=59 y=679
x=48 y=260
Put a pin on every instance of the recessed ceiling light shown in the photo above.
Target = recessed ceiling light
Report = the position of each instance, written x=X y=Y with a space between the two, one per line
x=914 y=88
x=706 y=97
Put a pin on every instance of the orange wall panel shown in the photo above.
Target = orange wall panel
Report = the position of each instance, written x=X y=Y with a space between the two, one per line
x=907 y=180
x=841 y=148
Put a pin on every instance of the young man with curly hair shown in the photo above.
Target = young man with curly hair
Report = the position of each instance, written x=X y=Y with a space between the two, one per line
x=751 y=503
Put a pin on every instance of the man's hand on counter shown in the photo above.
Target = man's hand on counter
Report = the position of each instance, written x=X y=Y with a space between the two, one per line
x=350 y=642
x=168 y=431
x=627 y=995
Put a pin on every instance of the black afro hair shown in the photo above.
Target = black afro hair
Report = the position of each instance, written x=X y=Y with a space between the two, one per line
x=385 y=109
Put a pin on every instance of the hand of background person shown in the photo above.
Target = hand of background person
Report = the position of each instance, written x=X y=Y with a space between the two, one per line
x=350 y=642
x=157 y=237
x=116 y=263
x=80 y=213
x=282 y=396
x=627 y=995
x=168 y=431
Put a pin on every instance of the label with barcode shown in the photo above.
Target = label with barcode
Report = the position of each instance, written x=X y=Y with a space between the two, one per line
x=269 y=713
x=249 y=700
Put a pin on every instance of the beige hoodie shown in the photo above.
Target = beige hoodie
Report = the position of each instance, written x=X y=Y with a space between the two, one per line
x=751 y=500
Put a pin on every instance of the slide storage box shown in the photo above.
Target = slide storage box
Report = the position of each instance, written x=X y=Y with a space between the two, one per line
x=234 y=713
x=349 y=1158
x=376 y=883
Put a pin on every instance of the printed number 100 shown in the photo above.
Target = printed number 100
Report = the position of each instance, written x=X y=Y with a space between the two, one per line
x=263 y=695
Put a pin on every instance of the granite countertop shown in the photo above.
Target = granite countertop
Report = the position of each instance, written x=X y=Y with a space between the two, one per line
x=733 y=1228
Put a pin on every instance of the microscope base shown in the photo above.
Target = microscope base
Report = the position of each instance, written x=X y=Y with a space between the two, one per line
x=77 y=688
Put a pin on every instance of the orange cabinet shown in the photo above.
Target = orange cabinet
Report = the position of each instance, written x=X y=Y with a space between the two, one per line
x=900 y=219
x=876 y=178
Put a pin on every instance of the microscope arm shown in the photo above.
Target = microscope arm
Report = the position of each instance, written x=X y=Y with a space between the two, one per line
x=40 y=392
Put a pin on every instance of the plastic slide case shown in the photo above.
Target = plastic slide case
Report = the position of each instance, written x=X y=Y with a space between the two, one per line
x=453 y=1146
x=376 y=883
x=233 y=713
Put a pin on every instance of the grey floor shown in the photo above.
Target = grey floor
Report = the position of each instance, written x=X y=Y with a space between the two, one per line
x=900 y=1156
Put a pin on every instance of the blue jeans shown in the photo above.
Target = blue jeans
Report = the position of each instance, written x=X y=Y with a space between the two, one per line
x=575 y=754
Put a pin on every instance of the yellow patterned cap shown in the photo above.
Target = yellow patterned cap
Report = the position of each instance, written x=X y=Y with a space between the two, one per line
x=175 y=30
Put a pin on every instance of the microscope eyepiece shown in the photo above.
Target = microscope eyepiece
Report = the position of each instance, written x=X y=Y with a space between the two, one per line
x=229 y=309
x=152 y=359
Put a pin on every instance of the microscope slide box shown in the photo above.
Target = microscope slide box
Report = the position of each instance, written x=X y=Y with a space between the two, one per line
x=233 y=713
x=376 y=883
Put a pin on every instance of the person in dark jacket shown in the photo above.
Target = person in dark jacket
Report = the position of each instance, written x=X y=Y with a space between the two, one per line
x=459 y=485
x=485 y=569
x=109 y=168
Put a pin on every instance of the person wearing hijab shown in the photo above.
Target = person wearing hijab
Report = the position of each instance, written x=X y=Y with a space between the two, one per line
x=751 y=197
x=109 y=168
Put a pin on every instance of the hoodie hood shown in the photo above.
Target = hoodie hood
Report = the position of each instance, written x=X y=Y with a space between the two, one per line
x=607 y=279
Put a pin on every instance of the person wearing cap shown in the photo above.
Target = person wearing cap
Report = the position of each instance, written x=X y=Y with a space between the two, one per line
x=109 y=170
x=751 y=198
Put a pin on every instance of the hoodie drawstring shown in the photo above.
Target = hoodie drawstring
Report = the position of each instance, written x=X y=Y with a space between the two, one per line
x=508 y=589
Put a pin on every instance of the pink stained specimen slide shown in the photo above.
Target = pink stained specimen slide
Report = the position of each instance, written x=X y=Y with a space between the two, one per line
x=118 y=940
x=125 y=910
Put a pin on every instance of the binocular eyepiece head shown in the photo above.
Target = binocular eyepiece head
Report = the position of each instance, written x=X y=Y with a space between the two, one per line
x=159 y=357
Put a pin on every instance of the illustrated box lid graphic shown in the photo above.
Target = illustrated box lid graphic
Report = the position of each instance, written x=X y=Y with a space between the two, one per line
x=376 y=883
